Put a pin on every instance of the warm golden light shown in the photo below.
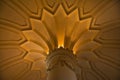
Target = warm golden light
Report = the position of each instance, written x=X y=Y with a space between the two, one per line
x=60 y=45
x=30 y=30
x=60 y=30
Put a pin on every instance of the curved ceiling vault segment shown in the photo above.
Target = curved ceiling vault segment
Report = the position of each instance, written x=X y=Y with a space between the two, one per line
x=30 y=29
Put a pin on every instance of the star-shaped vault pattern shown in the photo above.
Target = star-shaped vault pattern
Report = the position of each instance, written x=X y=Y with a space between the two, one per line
x=57 y=30
x=31 y=29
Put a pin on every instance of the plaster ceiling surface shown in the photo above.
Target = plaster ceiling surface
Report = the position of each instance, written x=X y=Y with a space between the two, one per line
x=30 y=29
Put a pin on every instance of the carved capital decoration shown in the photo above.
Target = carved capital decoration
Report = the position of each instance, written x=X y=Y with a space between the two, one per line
x=63 y=57
x=79 y=36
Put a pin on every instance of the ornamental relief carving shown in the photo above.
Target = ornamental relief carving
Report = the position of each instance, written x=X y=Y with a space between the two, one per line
x=42 y=36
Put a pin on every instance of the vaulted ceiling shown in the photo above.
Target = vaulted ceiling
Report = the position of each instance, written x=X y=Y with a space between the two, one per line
x=30 y=29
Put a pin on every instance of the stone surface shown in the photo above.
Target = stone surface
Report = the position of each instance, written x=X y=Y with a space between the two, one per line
x=29 y=29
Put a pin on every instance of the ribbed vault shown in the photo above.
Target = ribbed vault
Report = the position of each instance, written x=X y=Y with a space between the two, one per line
x=31 y=29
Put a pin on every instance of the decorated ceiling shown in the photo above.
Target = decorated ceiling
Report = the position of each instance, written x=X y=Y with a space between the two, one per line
x=31 y=29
